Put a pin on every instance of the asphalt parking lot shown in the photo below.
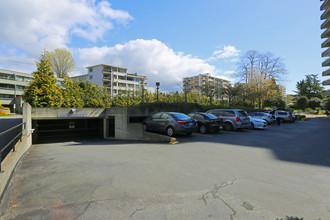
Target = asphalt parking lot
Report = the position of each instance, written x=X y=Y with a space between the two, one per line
x=277 y=173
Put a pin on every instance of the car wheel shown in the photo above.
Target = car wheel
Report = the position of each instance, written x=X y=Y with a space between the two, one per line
x=145 y=127
x=202 y=129
x=252 y=125
x=281 y=120
x=170 y=131
x=228 y=126
x=266 y=122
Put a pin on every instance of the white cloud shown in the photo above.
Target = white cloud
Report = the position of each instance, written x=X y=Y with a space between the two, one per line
x=118 y=15
x=225 y=53
x=147 y=57
x=229 y=72
x=38 y=24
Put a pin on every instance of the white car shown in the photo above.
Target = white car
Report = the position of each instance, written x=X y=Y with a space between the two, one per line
x=264 y=116
x=258 y=123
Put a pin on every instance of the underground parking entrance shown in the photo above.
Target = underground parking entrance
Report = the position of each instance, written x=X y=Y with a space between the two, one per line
x=51 y=125
x=58 y=130
x=67 y=124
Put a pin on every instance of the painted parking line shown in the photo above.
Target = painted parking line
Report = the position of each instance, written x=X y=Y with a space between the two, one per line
x=205 y=135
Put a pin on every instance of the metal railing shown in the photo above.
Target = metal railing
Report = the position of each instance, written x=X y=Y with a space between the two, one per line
x=17 y=135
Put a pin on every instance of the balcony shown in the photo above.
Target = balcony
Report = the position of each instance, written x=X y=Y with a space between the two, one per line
x=325 y=5
x=326 y=24
x=325 y=14
x=326 y=82
x=326 y=73
x=326 y=43
x=326 y=63
x=326 y=34
x=326 y=53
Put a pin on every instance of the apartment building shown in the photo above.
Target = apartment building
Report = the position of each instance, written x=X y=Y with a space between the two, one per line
x=12 y=85
x=114 y=79
x=326 y=44
x=80 y=78
x=193 y=84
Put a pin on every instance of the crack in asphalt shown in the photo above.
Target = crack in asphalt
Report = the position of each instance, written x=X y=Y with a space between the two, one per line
x=85 y=209
x=214 y=192
x=137 y=210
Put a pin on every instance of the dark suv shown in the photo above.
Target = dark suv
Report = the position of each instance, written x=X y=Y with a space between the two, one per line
x=170 y=123
x=232 y=119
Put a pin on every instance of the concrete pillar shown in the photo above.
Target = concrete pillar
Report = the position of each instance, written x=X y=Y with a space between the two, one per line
x=27 y=118
x=105 y=129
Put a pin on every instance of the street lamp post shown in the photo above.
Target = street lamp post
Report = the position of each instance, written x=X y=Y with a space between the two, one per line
x=157 y=88
x=185 y=87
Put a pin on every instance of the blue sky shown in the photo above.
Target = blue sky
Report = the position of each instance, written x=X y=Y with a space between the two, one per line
x=164 y=40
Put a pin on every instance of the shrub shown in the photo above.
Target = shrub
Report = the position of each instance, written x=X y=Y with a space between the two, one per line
x=326 y=104
x=2 y=113
x=309 y=110
x=302 y=102
x=301 y=117
x=297 y=111
x=314 y=102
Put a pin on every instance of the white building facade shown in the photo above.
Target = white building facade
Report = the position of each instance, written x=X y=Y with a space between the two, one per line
x=114 y=79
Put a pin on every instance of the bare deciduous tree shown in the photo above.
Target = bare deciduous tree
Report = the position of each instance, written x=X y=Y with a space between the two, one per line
x=254 y=62
x=62 y=61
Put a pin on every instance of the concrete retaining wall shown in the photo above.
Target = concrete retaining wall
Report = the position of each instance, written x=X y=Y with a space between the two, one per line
x=131 y=131
x=12 y=158
x=55 y=113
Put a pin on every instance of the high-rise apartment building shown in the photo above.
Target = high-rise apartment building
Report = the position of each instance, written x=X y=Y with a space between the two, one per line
x=326 y=35
x=114 y=79
x=193 y=84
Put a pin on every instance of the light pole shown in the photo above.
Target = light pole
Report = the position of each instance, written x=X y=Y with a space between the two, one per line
x=185 y=87
x=157 y=88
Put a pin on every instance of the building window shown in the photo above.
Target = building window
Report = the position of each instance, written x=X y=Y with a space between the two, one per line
x=91 y=70
x=90 y=77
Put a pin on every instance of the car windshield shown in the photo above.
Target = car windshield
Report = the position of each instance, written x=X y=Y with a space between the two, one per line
x=242 y=113
x=210 y=116
x=180 y=116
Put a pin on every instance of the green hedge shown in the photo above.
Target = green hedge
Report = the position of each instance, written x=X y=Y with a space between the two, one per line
x=301 y=117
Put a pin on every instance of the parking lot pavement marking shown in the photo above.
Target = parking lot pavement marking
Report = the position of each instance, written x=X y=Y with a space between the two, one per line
x=205 y=135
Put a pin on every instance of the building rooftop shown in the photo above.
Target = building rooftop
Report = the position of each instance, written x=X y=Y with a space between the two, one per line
x=16 y=73
x=106 y=66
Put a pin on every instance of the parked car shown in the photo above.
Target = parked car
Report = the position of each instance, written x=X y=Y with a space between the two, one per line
x=232 y=119
x=258 y=123
x=283 y=116
x=262 y=115
x=171 y=123
x=206 y=122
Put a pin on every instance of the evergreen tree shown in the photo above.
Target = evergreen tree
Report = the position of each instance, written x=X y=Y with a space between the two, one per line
x=43 y=91
x=72 y=94
x=310 y=87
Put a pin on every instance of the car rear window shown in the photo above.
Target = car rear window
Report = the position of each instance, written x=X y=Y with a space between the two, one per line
x=242 y=113
x=228 y=113
x=210 y=116
x=156 y=116
x=165 y=116
x=282 y=113
x=180 y=116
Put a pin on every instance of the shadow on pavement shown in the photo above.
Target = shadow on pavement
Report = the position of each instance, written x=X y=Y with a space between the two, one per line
x=302 y=142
